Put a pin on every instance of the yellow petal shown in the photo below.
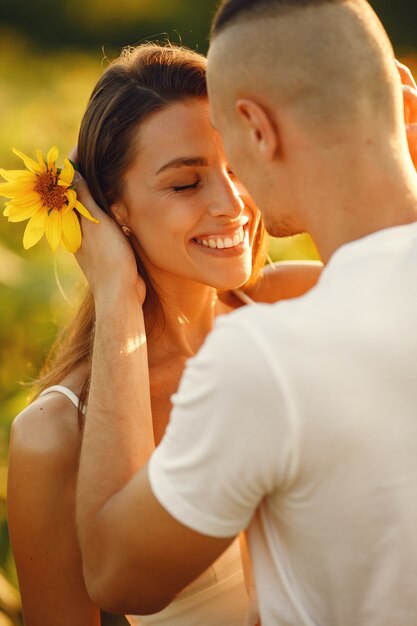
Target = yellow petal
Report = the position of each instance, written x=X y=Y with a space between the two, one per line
x=41 y=160
x=52 y=156
x=72 y=199
x=67 y=172
x=53 y=229
x=6 y=211
x=34 y=167
x=18 y=176
x=71 y=231
x=24 y=199
x=19 y=214
x=35 y=229
x=11 y=190
x=81 y=209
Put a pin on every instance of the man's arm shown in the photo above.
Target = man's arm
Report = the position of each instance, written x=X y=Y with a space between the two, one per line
x=136 y=557
x=140 y=557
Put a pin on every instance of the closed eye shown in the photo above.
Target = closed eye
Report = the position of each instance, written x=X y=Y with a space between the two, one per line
x=186 y=187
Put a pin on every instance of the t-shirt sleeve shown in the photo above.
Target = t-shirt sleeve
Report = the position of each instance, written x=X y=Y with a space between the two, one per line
x=229 y=440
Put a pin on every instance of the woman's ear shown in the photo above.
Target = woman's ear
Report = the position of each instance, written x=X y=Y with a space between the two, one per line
x=263 y=132
x=120 y=212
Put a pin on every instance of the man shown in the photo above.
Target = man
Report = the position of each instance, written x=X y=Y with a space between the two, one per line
x=296 y=420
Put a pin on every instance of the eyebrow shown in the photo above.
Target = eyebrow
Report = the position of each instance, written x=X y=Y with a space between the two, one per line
x=184 y=162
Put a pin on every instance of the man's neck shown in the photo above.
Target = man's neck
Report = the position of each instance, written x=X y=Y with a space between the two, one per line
x=376 y=198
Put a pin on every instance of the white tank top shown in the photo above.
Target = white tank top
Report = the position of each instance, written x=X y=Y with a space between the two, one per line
x=66 y=392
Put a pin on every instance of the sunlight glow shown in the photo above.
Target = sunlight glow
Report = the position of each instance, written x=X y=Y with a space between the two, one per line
x=133 y=344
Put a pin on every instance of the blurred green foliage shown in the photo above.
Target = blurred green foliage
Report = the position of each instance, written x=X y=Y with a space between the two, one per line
x=93 y=23
x=51 y=54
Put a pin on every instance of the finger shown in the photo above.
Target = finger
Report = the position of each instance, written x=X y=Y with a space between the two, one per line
x=410 y=104
x=410 y=93
x=412 y=131
x=73 y=154
x=405 y=74
x=85 y=197
x=412 y=142
x=79 y=184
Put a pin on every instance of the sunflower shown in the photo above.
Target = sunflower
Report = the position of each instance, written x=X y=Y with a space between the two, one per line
x=43 y=195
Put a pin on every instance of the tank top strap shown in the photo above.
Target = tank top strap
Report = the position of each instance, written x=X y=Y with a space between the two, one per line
x=243 y=297
x=66 y=392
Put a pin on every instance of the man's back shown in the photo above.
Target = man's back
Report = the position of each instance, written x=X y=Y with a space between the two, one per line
x=341 y=527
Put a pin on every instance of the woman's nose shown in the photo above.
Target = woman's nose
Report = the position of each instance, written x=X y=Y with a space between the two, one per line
x=226 y=199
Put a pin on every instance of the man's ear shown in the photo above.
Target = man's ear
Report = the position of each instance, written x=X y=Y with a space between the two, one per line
x=262 y=129
x=120 y=212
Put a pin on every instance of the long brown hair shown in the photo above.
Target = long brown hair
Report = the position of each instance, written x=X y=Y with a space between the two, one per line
x=138 y=83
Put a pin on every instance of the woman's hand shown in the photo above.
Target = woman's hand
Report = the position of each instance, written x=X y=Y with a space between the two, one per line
x=410 y=108
x=106 y=256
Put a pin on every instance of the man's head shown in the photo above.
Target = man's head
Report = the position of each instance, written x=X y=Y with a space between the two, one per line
x=291 y=81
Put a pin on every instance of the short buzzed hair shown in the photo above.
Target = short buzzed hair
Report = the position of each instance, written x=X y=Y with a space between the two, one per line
x=330 y=60
x=232 y=11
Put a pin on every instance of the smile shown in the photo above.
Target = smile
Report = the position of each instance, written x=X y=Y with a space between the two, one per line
x=223 y=241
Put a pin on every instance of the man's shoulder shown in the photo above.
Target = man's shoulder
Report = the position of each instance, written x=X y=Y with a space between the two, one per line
x=254 y=340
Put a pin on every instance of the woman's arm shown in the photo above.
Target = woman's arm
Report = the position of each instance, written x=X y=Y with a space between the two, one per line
x=43 y=464
x=288 y=279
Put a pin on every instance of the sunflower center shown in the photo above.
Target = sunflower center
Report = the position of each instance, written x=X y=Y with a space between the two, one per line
x=53 y=196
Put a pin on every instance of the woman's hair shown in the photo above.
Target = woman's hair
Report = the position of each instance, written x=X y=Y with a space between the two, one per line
x=141 y=81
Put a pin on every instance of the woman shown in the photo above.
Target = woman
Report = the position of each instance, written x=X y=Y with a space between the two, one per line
x=153 y=162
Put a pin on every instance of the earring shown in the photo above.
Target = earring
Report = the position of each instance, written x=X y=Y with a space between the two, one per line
x=126 y=231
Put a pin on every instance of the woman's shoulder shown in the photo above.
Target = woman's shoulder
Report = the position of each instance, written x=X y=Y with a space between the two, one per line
x=284 y=280
x=48 y=429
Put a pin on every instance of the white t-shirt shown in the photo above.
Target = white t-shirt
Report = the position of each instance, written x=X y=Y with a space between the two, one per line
x=299 y=420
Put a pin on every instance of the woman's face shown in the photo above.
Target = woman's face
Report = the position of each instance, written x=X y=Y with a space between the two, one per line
x=189 y=215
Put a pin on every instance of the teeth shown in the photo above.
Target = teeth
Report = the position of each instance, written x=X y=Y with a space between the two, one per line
x=223 y=242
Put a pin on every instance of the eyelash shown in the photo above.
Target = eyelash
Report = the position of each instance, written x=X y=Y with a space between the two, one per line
x=186 y=187
x=195 y=185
